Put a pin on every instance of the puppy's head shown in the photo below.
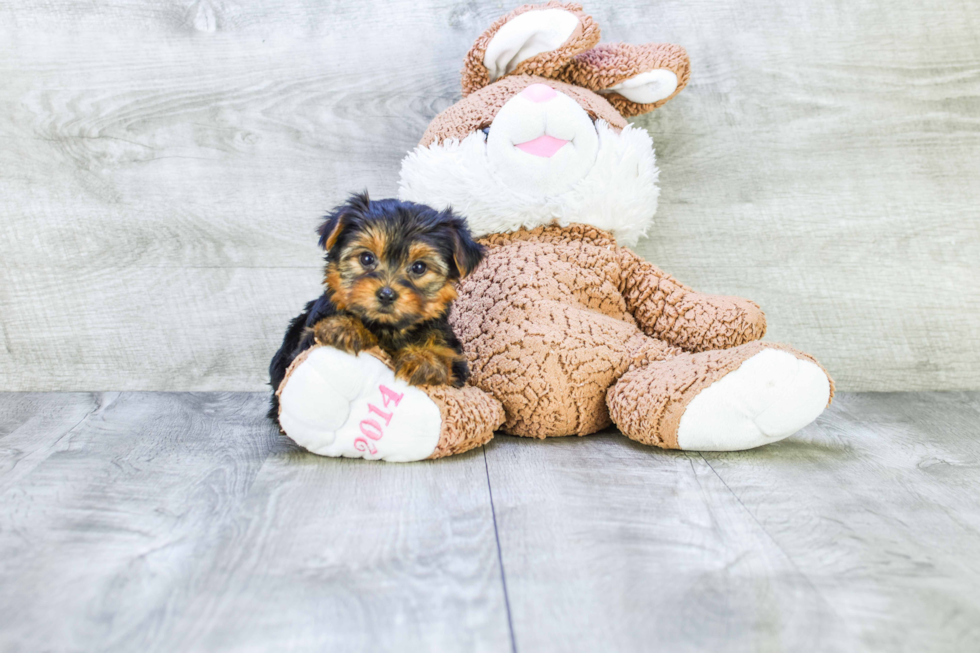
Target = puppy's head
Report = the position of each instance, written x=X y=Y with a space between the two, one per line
x=394 y=263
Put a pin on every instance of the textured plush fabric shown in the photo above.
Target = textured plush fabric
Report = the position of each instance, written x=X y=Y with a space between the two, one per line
x=609 y=64
x=468 y=415
x=691 y=320
x=554 y=317
x=617 y=194
x=647 y=403
x=475 y=74
x=469 y=418
x=477 y=110
x=299 y=360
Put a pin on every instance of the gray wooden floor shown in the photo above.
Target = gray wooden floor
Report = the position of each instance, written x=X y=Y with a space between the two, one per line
x=183 y=522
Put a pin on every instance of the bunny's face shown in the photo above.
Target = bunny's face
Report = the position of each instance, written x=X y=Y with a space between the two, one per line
x=540 y=137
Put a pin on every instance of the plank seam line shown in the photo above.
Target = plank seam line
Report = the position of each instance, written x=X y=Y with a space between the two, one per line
x=500 y=557
x=792 y=562
x=40 y=455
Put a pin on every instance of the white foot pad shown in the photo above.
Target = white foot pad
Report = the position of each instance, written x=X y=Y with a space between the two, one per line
x=337 y=404
x=769 y=397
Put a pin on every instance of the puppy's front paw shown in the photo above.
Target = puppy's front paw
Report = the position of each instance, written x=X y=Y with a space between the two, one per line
x=425 y=365
x=344 y=332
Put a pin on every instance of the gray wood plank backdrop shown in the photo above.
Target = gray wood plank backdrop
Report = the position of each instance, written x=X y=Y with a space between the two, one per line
x=163 y=165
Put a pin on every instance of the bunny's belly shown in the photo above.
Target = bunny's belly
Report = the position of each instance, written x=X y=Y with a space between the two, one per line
x=546 y=330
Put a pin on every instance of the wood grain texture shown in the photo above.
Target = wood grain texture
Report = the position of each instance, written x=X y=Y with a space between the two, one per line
x=608 y=545
x=860 y=534
x=32 y=424
x=163 y=165
x=184 y=522
x=877 y=506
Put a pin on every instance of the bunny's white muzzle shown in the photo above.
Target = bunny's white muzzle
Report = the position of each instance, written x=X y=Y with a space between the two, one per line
x=541 y=142
x=542 y=161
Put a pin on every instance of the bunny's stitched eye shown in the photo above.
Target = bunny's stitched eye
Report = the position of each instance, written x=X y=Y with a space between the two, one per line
x=418 y=268
x=367 y=260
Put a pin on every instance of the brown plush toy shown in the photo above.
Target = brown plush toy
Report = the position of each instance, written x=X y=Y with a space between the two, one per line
x=566 y=331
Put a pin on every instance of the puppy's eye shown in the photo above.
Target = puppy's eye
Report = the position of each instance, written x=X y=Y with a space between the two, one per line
x=418 y=268
x=367 y=260
x=486 y=131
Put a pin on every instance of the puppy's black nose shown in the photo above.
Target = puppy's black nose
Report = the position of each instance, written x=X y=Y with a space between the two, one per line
x=386 y=295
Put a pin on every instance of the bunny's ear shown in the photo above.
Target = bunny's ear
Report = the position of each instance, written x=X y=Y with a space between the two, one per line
x=635 y=79
x=533 y=40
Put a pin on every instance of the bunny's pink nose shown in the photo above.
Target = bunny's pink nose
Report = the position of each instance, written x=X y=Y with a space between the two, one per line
x=539 y=93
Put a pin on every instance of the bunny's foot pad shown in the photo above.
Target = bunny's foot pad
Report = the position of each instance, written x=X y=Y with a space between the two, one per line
x=336 y=404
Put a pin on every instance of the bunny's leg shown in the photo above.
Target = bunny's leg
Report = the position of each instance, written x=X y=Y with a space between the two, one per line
x=337 y=404
x=720 y=400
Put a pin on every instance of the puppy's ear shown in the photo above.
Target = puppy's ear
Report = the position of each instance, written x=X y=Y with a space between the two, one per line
x=332 y=225
x=467 y=253
x=335 y=222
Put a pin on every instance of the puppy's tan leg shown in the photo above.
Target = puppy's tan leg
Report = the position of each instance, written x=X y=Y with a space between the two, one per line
x=344 y=332
x=427 y=364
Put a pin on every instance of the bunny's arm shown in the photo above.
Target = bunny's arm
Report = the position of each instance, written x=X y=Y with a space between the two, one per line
x=670 y=311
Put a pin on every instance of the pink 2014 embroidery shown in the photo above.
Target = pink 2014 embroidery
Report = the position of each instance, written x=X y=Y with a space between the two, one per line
x=370 y=427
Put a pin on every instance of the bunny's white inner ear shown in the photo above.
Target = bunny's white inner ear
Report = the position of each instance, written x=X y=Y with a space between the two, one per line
x=525 y=36
x=646 y=88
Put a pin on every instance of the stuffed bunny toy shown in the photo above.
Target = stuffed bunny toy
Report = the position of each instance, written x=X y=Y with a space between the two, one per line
x=566 y=331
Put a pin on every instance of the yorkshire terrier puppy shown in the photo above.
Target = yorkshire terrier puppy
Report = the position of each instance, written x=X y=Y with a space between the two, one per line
x=389 y=281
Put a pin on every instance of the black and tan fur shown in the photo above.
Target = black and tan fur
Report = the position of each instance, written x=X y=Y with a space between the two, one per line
x=389 y=281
